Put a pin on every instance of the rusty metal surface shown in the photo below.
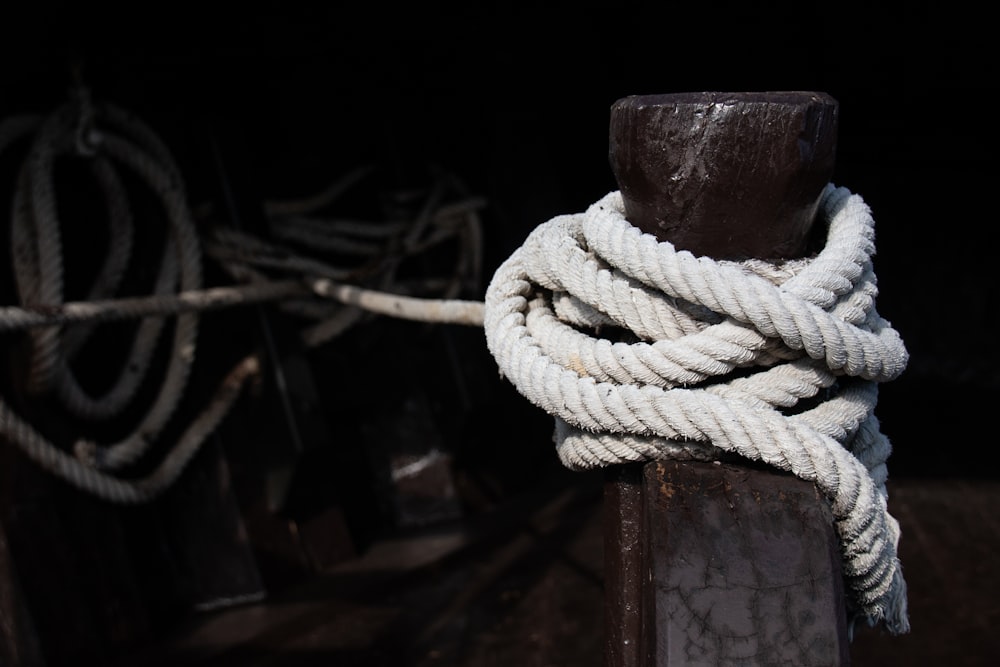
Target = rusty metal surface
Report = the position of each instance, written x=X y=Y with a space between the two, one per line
x=730 y=176
x=720 y=564
x=744 y=569
x=726 y=175
x=627 y=595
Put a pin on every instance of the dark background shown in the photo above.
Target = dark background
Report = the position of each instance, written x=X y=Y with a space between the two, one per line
x=515 y=100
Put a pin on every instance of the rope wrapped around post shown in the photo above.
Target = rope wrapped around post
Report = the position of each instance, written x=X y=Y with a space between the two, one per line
x=726 y=356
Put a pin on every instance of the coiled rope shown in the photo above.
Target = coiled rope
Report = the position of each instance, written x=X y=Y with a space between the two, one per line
x=109 y=139
x=725 y=359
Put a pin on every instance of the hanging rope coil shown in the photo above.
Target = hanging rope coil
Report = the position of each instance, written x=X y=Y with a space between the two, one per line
x=723 y=357
x=108 y=139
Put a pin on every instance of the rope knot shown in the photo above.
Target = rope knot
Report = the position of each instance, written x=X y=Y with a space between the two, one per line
x=774 y=362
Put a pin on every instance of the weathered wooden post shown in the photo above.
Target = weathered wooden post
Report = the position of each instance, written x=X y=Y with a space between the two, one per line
x=722 y=563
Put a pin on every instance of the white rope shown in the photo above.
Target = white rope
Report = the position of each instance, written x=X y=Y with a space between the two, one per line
x=723 y=351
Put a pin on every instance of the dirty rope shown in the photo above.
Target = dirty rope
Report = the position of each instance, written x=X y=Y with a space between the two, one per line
x=641 y=351
x=111 y=143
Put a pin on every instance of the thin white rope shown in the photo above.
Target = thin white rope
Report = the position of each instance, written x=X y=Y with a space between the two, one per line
x=723 y=352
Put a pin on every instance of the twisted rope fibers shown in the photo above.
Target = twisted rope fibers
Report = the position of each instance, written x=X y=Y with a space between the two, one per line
x=724 y=358
x=107 y=138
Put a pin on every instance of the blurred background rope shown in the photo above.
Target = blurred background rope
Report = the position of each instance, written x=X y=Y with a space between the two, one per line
x=300 y=267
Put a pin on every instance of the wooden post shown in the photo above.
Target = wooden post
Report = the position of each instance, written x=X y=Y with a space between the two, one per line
x=731 y=562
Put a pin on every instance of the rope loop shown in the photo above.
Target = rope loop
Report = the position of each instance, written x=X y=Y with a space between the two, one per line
x=111 y=142
x=641 y=351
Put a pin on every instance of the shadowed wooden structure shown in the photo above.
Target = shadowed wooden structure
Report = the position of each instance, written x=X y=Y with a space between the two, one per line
x=728 y=562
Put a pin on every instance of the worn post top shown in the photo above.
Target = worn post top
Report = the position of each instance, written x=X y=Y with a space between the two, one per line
x=727 y=175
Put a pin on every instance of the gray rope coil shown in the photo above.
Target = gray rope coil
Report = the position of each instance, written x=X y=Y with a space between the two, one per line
x=108 y=139
x=722 y=351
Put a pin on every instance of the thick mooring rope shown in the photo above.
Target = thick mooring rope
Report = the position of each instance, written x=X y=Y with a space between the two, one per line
x=722 y=359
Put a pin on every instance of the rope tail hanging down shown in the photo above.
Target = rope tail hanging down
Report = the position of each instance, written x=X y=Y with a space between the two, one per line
x=724 y=353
